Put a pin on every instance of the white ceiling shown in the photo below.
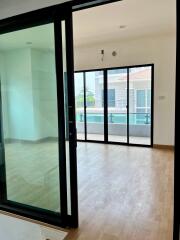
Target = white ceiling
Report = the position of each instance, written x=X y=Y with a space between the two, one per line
x=101 y=24
x=41 y=37
x=142 y=18
x=10 y=8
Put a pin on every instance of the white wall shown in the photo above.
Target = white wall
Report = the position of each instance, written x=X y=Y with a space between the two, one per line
x=29 y=95
x=44 y=93
x=17 y=91
x=160 y=50
x=4 y=95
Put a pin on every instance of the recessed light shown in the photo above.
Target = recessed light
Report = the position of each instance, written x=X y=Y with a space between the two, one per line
x=122 y=26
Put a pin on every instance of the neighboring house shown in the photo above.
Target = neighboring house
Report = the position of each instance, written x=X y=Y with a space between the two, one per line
x=139 y=94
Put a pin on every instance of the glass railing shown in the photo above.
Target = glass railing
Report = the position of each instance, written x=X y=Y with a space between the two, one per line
x=116 y=118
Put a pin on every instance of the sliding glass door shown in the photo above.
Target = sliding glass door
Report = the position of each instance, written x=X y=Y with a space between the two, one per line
x=94 y=87
x=80 y=102
x=89 y=98
x=38 y=148
x=140 y=81
x=116 y=105
x=30 y=126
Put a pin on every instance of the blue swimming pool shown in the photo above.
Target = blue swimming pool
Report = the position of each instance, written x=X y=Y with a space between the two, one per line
x=121 y=118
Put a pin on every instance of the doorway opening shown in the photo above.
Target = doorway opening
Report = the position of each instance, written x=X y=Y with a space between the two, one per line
x=125 y=98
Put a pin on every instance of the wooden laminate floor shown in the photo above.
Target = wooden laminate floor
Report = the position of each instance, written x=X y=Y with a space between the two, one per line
x=125 y=193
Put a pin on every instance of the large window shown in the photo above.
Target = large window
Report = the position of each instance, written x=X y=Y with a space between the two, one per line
x=117 y=105
x=79 y=101
x=94 y=107
x=140 y=79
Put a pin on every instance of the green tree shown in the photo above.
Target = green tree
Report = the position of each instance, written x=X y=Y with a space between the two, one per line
x=90 y=99
x=80 y=99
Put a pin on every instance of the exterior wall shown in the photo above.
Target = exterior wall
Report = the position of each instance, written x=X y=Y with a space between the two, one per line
x=99 y=87
x=160 y=50
x=120 y=87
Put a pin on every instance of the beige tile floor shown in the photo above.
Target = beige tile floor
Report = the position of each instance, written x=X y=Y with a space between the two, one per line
x=32 y=174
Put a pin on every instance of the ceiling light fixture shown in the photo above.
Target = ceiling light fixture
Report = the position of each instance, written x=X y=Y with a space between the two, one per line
x=122 y=26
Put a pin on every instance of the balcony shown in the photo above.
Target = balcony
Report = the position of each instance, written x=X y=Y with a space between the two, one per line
x=139 y=126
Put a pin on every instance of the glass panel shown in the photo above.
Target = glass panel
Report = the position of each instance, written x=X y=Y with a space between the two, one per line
x=111 y=98
x=66 y=114
x=139 y=105
x=94 y=105
x=140 y=98
x=149 y=98
x=117 y=105
x=79 y=101
x=30 y=122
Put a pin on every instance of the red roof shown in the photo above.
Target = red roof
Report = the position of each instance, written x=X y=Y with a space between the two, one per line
x=144 y=74
x=140 y=75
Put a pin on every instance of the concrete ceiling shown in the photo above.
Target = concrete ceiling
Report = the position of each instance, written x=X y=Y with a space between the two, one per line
x=141 y=18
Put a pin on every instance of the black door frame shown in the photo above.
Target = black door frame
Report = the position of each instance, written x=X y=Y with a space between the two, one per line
x=176 y=217
x=55 y=14
x=84 y=4
x=105 y=80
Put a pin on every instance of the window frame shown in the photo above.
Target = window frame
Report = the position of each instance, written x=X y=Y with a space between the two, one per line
x=105 y=70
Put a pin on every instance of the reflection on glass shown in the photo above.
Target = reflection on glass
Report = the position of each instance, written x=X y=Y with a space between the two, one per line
x=79 y=101
x=66 y=114
x=117 y=105
x=95 y=105
x=140 y=105
x=30 y=123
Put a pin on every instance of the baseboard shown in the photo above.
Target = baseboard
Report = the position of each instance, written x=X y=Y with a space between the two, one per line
x=159 y=146
x=47 y=139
